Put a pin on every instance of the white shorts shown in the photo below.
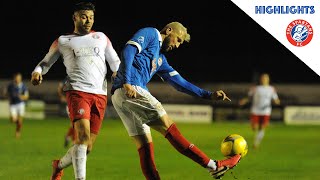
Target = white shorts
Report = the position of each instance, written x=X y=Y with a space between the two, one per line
x=17 y=110
x=136 y=112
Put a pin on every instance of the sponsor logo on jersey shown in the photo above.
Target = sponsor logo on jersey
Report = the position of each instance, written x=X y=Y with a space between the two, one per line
x=299 y=32
x=86 y=51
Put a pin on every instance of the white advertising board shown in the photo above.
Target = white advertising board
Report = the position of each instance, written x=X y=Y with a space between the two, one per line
x=35 y=109
x=189 y=113
x=302 y=115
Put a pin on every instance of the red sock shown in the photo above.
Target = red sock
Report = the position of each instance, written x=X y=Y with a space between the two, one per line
x=147 y=162
x=185 y=147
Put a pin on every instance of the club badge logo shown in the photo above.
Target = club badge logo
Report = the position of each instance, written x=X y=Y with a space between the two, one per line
x=81 y=111
x=299 y=32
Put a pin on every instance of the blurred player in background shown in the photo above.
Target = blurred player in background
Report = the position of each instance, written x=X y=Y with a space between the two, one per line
x=69 y=137
x=261 y=97
x=17 y=93
x=85 y=55
x=142 y=57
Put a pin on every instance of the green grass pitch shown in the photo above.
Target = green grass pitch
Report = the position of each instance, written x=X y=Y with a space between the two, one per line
x=286 y=152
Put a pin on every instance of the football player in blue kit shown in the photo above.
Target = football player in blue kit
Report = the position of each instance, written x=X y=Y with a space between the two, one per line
x=17 y=93
x=142 y=57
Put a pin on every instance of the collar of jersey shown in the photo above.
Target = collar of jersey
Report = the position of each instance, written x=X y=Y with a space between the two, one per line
x=160 y=38
x=74 y=33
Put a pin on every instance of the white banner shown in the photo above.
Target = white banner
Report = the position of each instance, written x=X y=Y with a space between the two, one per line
x=294 y=23
x=189 y=113
x=302 y=115
x=35 y=109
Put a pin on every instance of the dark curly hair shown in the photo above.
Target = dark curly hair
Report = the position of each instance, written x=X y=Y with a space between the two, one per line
x=84 y=6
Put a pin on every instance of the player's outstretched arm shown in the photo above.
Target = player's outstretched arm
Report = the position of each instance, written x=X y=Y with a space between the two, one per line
x=170 y=75
x=220 y=95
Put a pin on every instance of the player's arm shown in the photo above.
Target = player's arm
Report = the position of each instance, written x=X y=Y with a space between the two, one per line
x=25 y=95
x=46 y=63
x=112 y=57
x=169 y=75
x=247 y=99
x=61 y=95
x=276 y=101
x=275 y=97
x=243 y=101
x=146 y=37
x=128 y=54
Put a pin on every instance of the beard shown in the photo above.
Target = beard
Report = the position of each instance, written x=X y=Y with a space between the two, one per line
x=83 y=30
x=165 y=45
x=165 y=48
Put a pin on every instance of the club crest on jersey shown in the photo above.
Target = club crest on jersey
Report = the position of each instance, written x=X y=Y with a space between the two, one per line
x=81 y=111
x=140 y=39
x=95 y=36
x=159 y=61
x=299 y=32
x=154 y=65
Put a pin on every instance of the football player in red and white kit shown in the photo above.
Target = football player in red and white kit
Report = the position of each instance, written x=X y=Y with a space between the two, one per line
x=262 y=96
x=85 y=55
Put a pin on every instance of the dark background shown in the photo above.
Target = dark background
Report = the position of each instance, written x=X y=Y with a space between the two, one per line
x=226 y=45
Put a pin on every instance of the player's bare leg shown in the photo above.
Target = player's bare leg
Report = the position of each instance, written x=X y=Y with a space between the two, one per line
x=69 y=137
x=168 y=128
x=18 y=126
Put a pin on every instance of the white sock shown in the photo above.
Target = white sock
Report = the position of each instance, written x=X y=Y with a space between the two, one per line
x=259 y=137
x=212 y=165
x=66 y=160
x=79 y=158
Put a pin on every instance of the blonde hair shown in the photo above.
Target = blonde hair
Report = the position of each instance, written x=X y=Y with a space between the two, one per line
x=176 y=26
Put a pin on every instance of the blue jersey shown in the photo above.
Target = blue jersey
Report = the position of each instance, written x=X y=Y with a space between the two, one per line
x=141 y=59
x=14 y=91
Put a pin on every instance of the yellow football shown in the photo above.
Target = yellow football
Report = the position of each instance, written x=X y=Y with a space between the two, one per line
x=234 y=144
